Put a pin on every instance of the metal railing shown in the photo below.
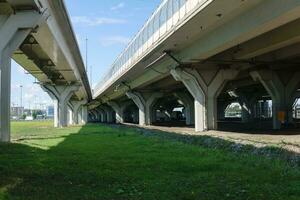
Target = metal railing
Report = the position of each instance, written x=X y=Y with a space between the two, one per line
x=169 y=15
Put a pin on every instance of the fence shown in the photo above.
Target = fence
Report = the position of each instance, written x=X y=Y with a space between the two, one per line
x=168 y=16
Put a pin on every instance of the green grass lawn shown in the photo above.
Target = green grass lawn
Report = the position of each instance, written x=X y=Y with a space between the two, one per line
x=99 y=162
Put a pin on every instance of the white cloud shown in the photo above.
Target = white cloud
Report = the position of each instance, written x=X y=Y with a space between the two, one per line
x=114 y=40
x=118 y=6
x=33 y=96
x=96 y=21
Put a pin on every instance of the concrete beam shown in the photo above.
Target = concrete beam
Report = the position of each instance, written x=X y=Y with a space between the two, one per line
x=273 y=40
x=272 y=14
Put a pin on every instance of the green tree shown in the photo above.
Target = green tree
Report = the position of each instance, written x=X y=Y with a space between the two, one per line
x=34 y=115
x=23 y=116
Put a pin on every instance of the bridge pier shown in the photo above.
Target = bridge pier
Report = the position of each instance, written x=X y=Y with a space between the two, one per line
x=246 y=114
x=101 y=115
x=140 y=103
x=149 y=103
x=189 y=107
x=95 y=116
x=8 y=47
x=77 y=107
x=247 y=102
x=70 y=115
x=14 y=30
x=118 y=110
x=191 y=83
x=61 y=96
x=145 y=105
x=282 y=94
x=108 y=113
x=83 y=114
x=204 y=88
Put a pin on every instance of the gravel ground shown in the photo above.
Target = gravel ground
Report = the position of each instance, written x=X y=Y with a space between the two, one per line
x=275 y=144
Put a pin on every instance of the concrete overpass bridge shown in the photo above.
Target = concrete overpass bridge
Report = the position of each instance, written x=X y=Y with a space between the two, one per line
x=193 y=58
x=38 y=35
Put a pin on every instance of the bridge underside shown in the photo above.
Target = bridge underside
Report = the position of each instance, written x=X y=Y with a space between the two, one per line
x=229 y=78
x=39 y=37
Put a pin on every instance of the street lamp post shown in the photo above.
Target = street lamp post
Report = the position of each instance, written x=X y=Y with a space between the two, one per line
x=21 y=99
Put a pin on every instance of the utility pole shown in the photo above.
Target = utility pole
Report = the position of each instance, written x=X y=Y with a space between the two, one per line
x=91 y=76
x=21 y=99
x=86 y=54
x=21 y=96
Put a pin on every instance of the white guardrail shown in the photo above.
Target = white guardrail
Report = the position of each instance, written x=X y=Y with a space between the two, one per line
x=169 y=14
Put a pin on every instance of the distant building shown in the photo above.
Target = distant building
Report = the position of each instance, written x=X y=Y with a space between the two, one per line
x=50 y=111
x=29 y=118
x=16 y=112
x=27 y=112
x=39 y=112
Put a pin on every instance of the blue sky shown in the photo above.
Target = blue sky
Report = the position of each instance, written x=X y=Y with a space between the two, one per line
x=108 y=24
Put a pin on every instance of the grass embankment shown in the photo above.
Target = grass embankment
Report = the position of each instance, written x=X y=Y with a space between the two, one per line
x=98 y=162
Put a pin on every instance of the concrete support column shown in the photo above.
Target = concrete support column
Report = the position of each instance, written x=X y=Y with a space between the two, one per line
x=7 y=47
x=14 y=29
x=102 y=115
x=149 y=107
x=282 y=94
x=55 y=106
x=213 y=89
x=90 y=117
x=108 y=112
x=96 y=116
x=247 y=102
x=84 y=114
x=70 y=115
x=245 y=112
x=205 y=89
x=221 y=110
x=189 y=107
x=61 y=96
x=153 y=114
x=140 y=103
x=191 y=83
x=76 y=108
x=118 y=110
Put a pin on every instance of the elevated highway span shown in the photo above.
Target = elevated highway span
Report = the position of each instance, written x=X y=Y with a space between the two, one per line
x=194 y=60
x=38 y=35
x=207 y=64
